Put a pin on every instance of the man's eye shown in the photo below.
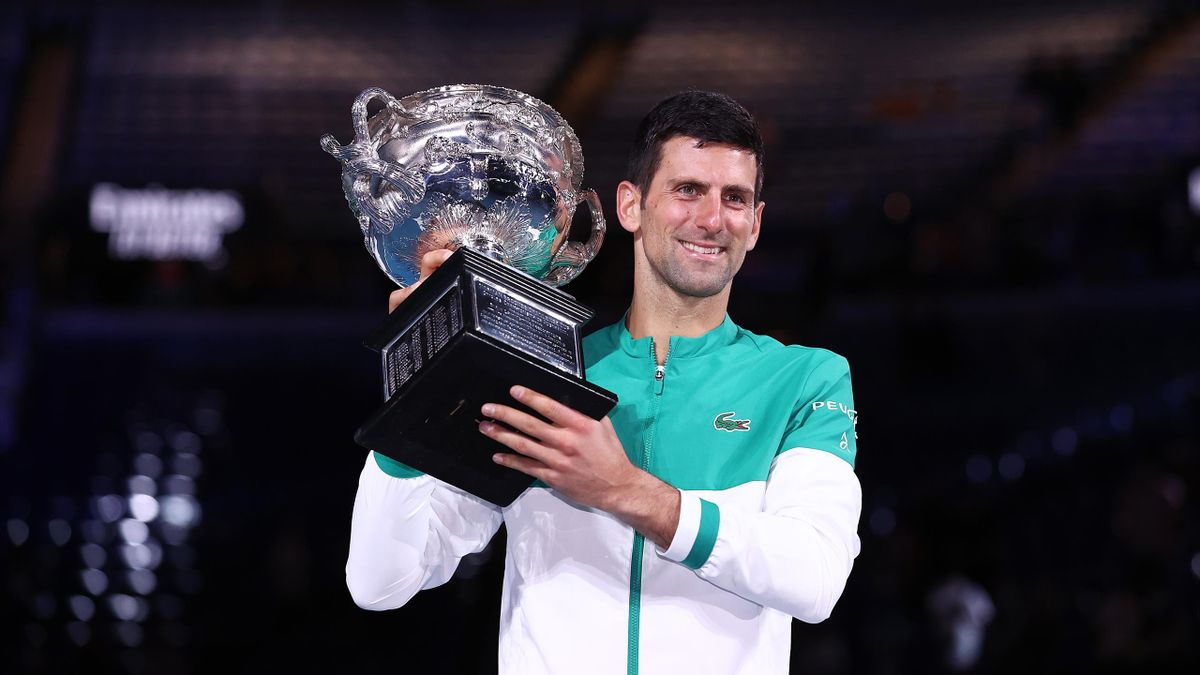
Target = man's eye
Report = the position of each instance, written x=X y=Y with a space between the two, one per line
x=737 y=198
x=687 y=189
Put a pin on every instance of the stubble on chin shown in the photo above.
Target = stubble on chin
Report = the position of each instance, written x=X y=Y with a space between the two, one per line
x=692 y=284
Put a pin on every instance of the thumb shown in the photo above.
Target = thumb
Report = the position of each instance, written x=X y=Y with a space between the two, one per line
x=433 y=260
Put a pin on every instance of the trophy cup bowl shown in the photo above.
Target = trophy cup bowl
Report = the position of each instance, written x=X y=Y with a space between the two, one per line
x=496 y=175
x=476 y=166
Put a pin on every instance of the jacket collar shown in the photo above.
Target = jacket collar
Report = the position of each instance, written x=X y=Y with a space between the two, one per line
x=681 y=347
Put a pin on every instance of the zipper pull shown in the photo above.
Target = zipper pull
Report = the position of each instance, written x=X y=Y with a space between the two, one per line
x=659 y=378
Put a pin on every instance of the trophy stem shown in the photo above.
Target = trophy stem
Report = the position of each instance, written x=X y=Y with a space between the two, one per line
x=487 y=246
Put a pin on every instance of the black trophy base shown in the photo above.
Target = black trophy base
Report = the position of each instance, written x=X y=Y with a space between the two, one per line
x=444 y=357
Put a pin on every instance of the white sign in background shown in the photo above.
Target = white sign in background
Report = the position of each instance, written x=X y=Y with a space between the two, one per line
x=160 y=224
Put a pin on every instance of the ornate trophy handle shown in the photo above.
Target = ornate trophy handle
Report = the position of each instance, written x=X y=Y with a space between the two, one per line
x=361 y=146
x=364 y=173
x=358 y=111
x=574 y=256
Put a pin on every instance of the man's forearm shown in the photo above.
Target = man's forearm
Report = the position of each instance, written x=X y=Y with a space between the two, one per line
x=796 y=552
x=649 y=506
x=409 y=533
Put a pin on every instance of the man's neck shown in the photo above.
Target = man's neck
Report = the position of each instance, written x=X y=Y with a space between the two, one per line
x=665 y=313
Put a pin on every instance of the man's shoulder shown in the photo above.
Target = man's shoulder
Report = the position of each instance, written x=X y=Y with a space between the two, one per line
x=606 y=334
x=602 y=341
x=776 y=354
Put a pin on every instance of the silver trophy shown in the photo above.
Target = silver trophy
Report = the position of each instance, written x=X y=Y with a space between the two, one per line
x=495 y=175
x=467 y=165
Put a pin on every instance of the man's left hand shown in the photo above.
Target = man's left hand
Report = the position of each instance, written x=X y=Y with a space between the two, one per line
x=584 y=460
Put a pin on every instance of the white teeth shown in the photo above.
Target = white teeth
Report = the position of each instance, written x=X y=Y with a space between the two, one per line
x=701 y=249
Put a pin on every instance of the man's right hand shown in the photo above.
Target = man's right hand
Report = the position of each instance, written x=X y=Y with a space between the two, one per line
x=429 y=262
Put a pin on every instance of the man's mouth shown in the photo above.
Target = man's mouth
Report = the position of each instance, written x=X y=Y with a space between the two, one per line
x=697 y=248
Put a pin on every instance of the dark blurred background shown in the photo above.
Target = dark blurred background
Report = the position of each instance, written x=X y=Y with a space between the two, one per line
x=990 y=208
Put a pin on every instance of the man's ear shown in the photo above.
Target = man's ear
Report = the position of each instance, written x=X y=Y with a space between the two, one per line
x=629 y=206
x=753 y=238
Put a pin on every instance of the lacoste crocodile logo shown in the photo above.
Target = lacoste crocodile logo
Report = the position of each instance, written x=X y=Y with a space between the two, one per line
x=725 y=422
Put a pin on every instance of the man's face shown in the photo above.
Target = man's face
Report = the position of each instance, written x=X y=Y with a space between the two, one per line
x=697 y=218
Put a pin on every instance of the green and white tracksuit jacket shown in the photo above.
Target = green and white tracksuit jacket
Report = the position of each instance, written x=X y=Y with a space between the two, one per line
x=759 y=439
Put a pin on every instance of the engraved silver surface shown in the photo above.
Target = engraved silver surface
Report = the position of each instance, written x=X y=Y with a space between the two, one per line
x=470 y=165
x=422 y=340
x=526 y=326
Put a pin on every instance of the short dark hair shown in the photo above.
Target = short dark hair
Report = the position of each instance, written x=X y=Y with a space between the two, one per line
x=708 y=117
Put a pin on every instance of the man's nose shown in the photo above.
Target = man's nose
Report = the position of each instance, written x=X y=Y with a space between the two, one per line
x=708 y=213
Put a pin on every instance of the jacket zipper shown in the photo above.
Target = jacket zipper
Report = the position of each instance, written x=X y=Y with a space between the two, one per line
x=635 y=567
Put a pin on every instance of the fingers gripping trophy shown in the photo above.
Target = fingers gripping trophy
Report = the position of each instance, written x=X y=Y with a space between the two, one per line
x=495 y=175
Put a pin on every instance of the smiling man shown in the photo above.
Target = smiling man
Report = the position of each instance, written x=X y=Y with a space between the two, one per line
x=717 y=501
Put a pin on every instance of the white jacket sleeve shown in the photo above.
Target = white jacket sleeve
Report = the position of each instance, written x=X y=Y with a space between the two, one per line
x=409 y=534
x=795 y=555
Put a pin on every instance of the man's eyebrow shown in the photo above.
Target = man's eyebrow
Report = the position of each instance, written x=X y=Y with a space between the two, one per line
x=682 y=180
